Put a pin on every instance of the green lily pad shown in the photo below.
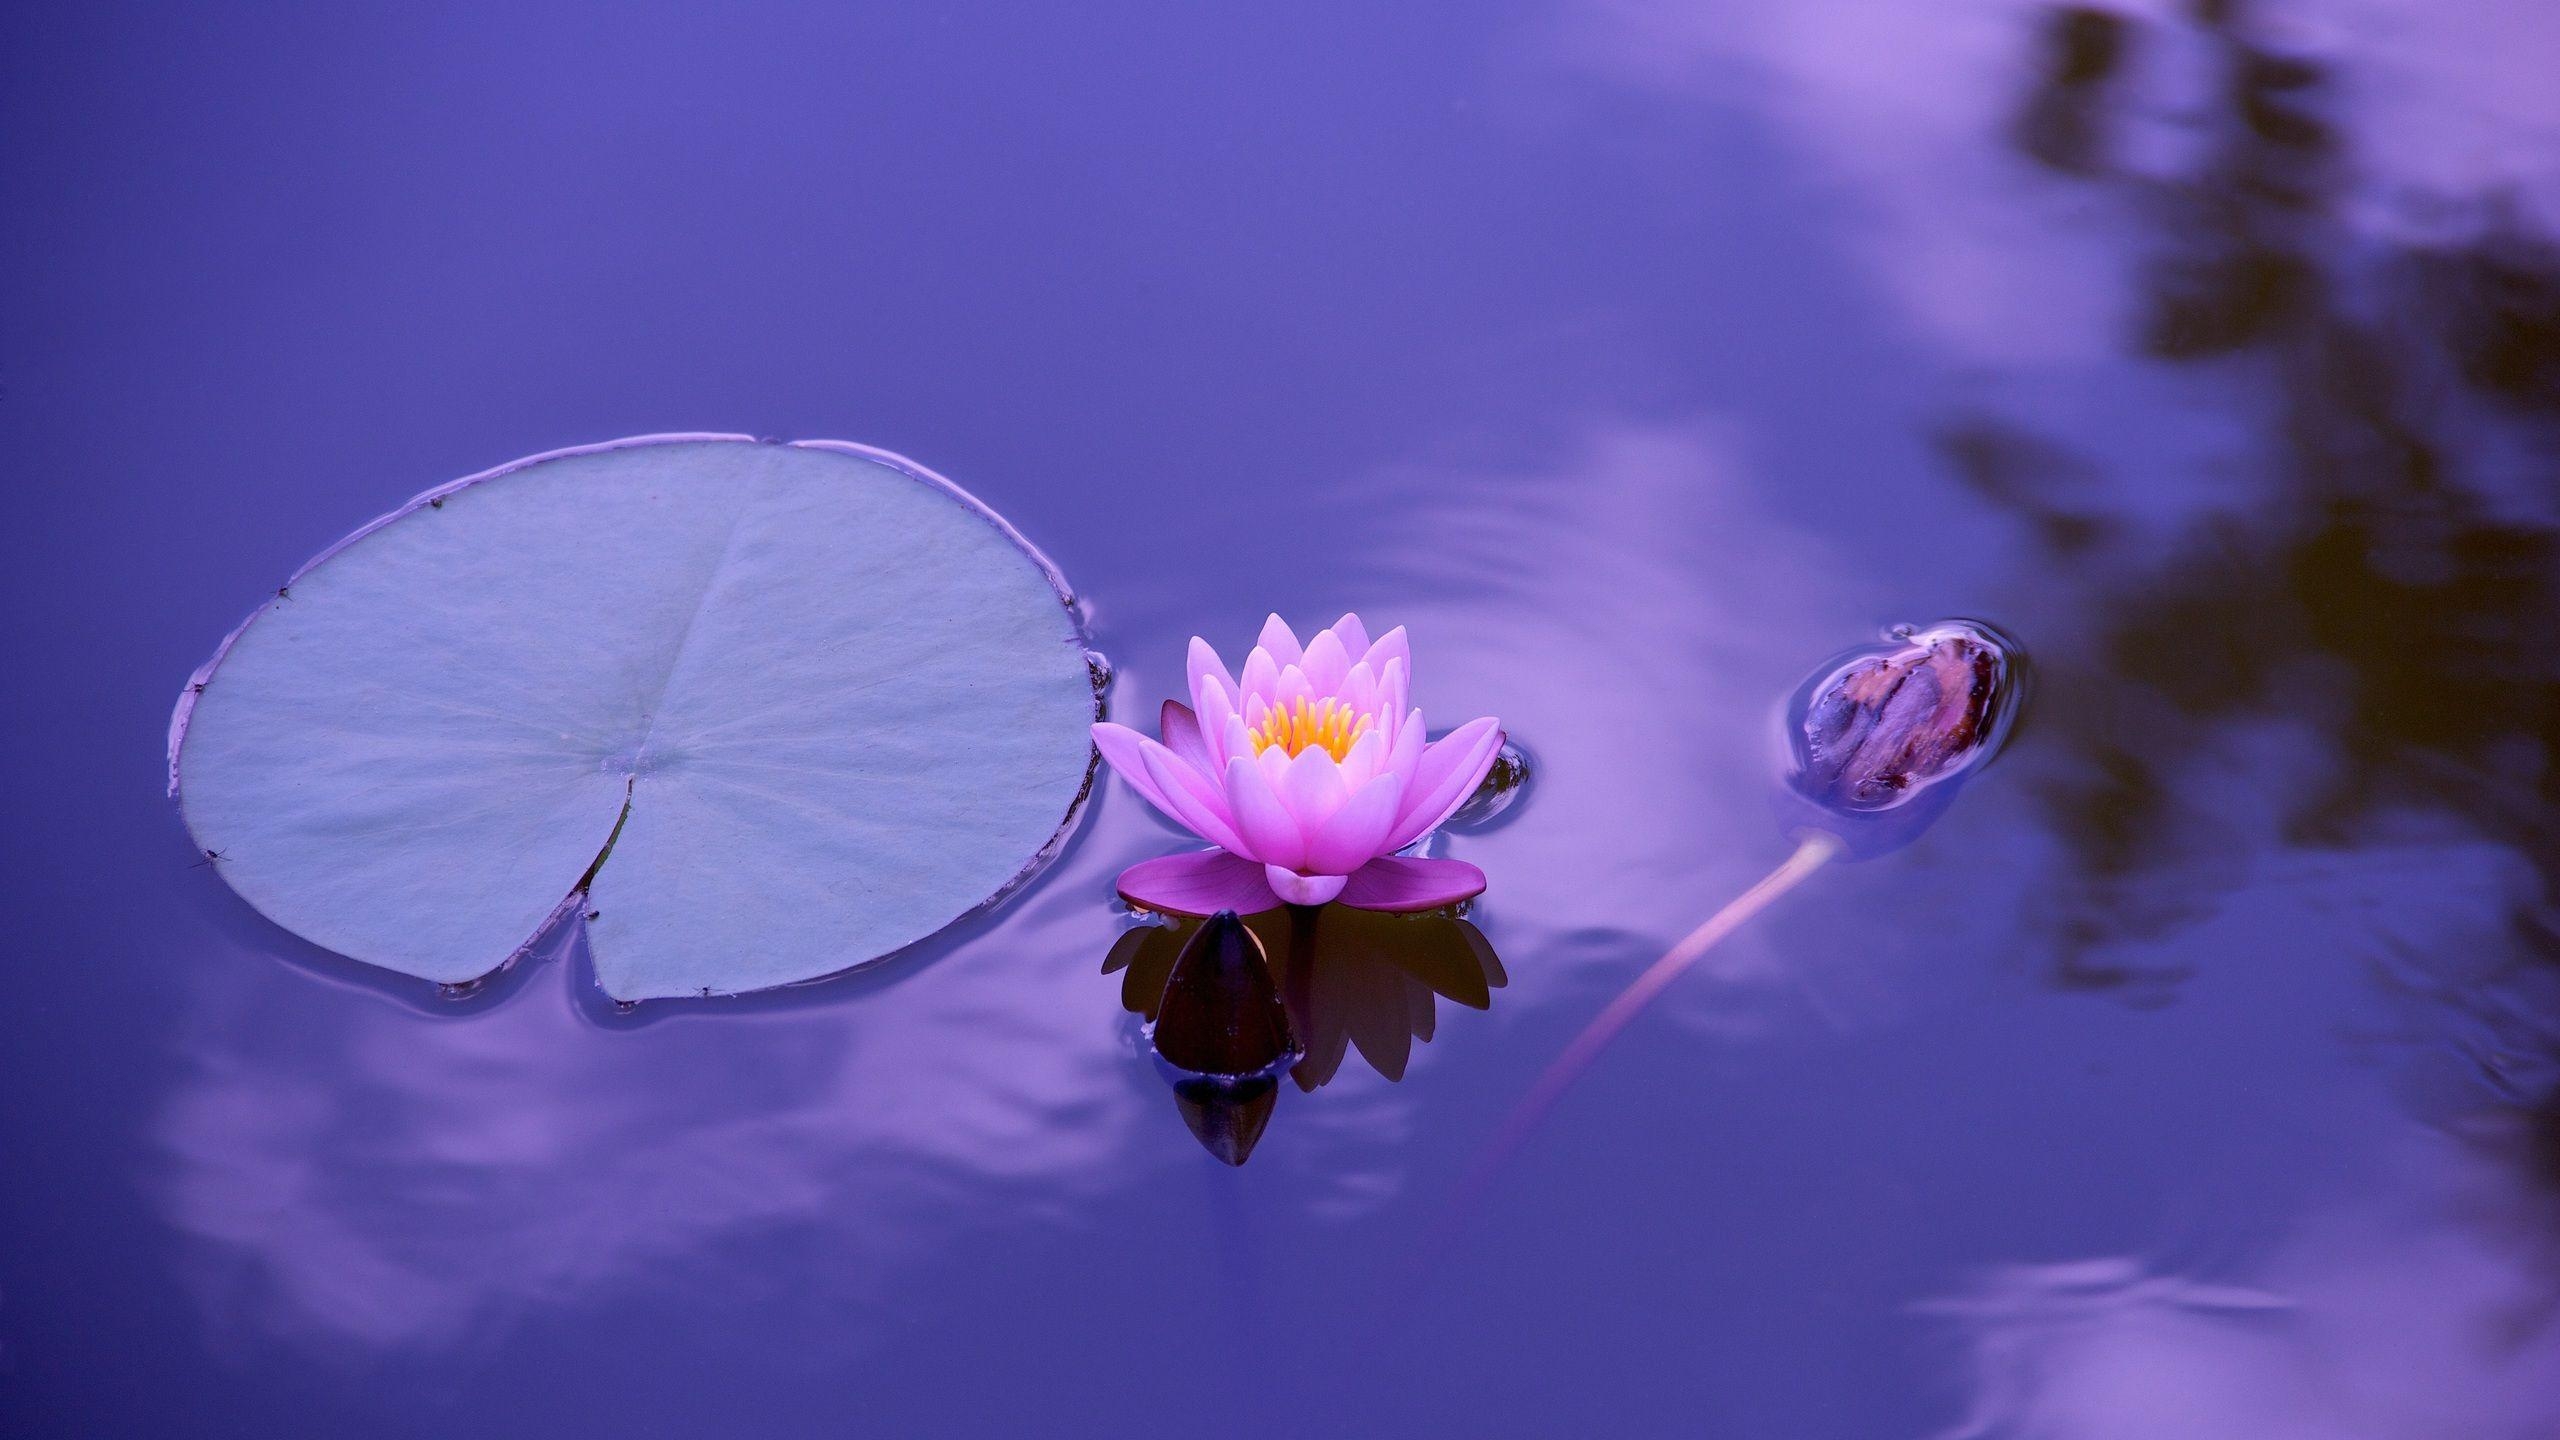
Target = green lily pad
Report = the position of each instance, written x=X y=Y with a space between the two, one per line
x=766 y=711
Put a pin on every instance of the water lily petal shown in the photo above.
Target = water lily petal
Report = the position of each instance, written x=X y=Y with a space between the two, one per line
x=1392 y=646
x=1203 y=882
x=1300 y=889
x=1401 y=884
x=1202 y=664
x=1362 y=765
x=1218 y=725
x=1291 y=687
x=1312 y=788
x=1178 y=777
x=1351 y=836
x=1185 y=796
x=1189 y=797
x=1181 y=731
x=1280 y=642
x=1268 y=832
x=1238 y=746
x=1326 y=664
x=1404 y=749
x=1451 y=769
x=1395 y=684
x=1359 y=690
x=1353 y=635
x=1124 y=749
x=1261 y=680
x=1181 y=775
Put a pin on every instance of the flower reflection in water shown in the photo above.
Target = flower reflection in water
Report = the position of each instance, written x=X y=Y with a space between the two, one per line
x=1343 y=979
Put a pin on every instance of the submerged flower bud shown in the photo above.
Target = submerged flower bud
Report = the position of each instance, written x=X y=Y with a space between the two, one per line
x=1222 y=1035
x=1221 y=1013
x=1877 y=731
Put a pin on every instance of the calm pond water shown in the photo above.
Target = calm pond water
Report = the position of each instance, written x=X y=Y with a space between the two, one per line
x=2192 y=1076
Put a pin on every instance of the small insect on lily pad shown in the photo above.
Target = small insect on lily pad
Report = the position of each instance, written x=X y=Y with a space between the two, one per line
x=764 y=712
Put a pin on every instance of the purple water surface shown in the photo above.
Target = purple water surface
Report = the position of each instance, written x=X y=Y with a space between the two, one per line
x=2192 y=1077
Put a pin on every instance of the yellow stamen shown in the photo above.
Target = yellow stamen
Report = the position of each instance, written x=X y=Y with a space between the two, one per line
x=1332 y=727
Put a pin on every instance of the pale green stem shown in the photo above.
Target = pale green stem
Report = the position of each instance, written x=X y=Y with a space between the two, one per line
x=1812 y=853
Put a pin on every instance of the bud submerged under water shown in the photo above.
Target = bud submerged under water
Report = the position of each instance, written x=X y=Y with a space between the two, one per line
x=1221 y=1013
x=1223 y=1034
x=1884 y=727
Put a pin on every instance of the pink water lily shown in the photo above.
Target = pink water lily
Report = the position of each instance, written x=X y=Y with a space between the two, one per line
x=1308 y=774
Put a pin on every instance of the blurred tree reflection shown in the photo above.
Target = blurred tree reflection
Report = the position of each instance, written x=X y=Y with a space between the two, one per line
x=2389 y=580
x=2383 y=584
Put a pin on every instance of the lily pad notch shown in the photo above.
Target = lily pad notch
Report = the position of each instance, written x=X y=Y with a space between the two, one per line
x=765 y=711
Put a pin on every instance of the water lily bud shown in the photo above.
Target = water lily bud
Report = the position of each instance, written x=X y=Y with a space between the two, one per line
x=1876 y=732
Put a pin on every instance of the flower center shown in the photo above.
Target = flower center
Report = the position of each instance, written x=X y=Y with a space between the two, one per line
x=1331 y=726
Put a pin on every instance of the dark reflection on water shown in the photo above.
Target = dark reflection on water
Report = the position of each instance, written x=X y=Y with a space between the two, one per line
x=2064 y=122
x=1351 y=979
x=2374 y=583
x=2384 y=576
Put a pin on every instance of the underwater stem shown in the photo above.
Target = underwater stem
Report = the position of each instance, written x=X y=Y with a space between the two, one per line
x=1811 y=854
